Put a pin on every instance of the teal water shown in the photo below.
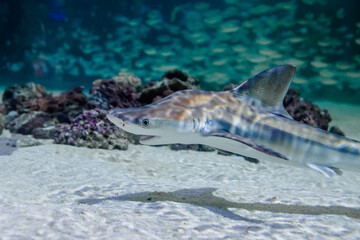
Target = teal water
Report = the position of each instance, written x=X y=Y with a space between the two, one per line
x=63 y=43
x=60 y=43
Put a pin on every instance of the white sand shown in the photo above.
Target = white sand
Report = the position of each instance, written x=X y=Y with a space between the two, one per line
x=62 y=192
x=41 y=188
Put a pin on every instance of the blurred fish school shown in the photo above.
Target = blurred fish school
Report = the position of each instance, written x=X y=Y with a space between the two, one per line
x=61 y=43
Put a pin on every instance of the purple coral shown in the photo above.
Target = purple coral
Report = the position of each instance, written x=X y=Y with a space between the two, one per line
x=107 y=94
x=304 y=111
x=71 y=100
x=17 y=97
x=92 y=129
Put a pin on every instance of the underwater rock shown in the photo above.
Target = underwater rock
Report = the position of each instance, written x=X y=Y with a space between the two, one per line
x=2 y=123
x=176 y=74
x=304 y=111
x=336 y=130
x=11 y=116
x=63 y=107
x=27 y=122
x=2 y=109
x=50 y=132
x=33 y=98
x=130 y=79
x=68 y=105
x=172 y=81
x=107 y=94
x=16 y=97
x=38 y=115
x=92 y=129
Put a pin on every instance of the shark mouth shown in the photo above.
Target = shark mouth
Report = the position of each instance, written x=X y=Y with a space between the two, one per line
x=148 y=139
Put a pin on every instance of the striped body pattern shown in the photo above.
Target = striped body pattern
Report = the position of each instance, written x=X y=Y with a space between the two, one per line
x=243 y=121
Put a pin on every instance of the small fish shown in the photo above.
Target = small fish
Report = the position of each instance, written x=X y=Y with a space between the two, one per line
x=249 y=120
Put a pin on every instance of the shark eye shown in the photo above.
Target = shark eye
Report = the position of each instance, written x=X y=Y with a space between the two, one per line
x=145 y=122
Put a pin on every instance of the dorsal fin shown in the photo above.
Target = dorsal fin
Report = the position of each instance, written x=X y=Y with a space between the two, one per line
x=269 y=86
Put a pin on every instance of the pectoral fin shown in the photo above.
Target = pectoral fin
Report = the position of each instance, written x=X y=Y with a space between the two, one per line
x=248 y=142
x=326 y=170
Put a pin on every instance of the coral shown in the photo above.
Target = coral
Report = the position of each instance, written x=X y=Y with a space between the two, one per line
x=32 y=98
x=2 y=123
x=11 y=116
x=92 y=129
x=35 y=112
x=171 y=82
x=176 y=74
x=336 y=130
x=38 y=113
x=49 y=132
x=16 y=97
x=68 y=105
x=107 y=94
x=2 y=109
x=27 y=122
x=182 y=76
x=304 y=111
x=130 y=79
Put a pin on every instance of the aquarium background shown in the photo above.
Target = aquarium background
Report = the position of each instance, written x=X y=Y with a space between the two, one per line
x=62 y=43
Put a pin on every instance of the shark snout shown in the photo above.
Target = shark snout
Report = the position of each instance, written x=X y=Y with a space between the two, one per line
x=126 y=119
x=118 y=117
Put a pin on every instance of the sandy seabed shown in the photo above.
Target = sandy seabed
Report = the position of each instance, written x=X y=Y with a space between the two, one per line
x=63 y=192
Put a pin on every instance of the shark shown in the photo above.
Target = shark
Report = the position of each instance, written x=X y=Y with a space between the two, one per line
x=249 y=120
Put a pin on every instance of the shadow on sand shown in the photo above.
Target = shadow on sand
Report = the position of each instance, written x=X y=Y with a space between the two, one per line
x=204 y=198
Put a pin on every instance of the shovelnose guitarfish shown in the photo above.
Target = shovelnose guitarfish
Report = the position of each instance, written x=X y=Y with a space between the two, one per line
x=249 y=120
